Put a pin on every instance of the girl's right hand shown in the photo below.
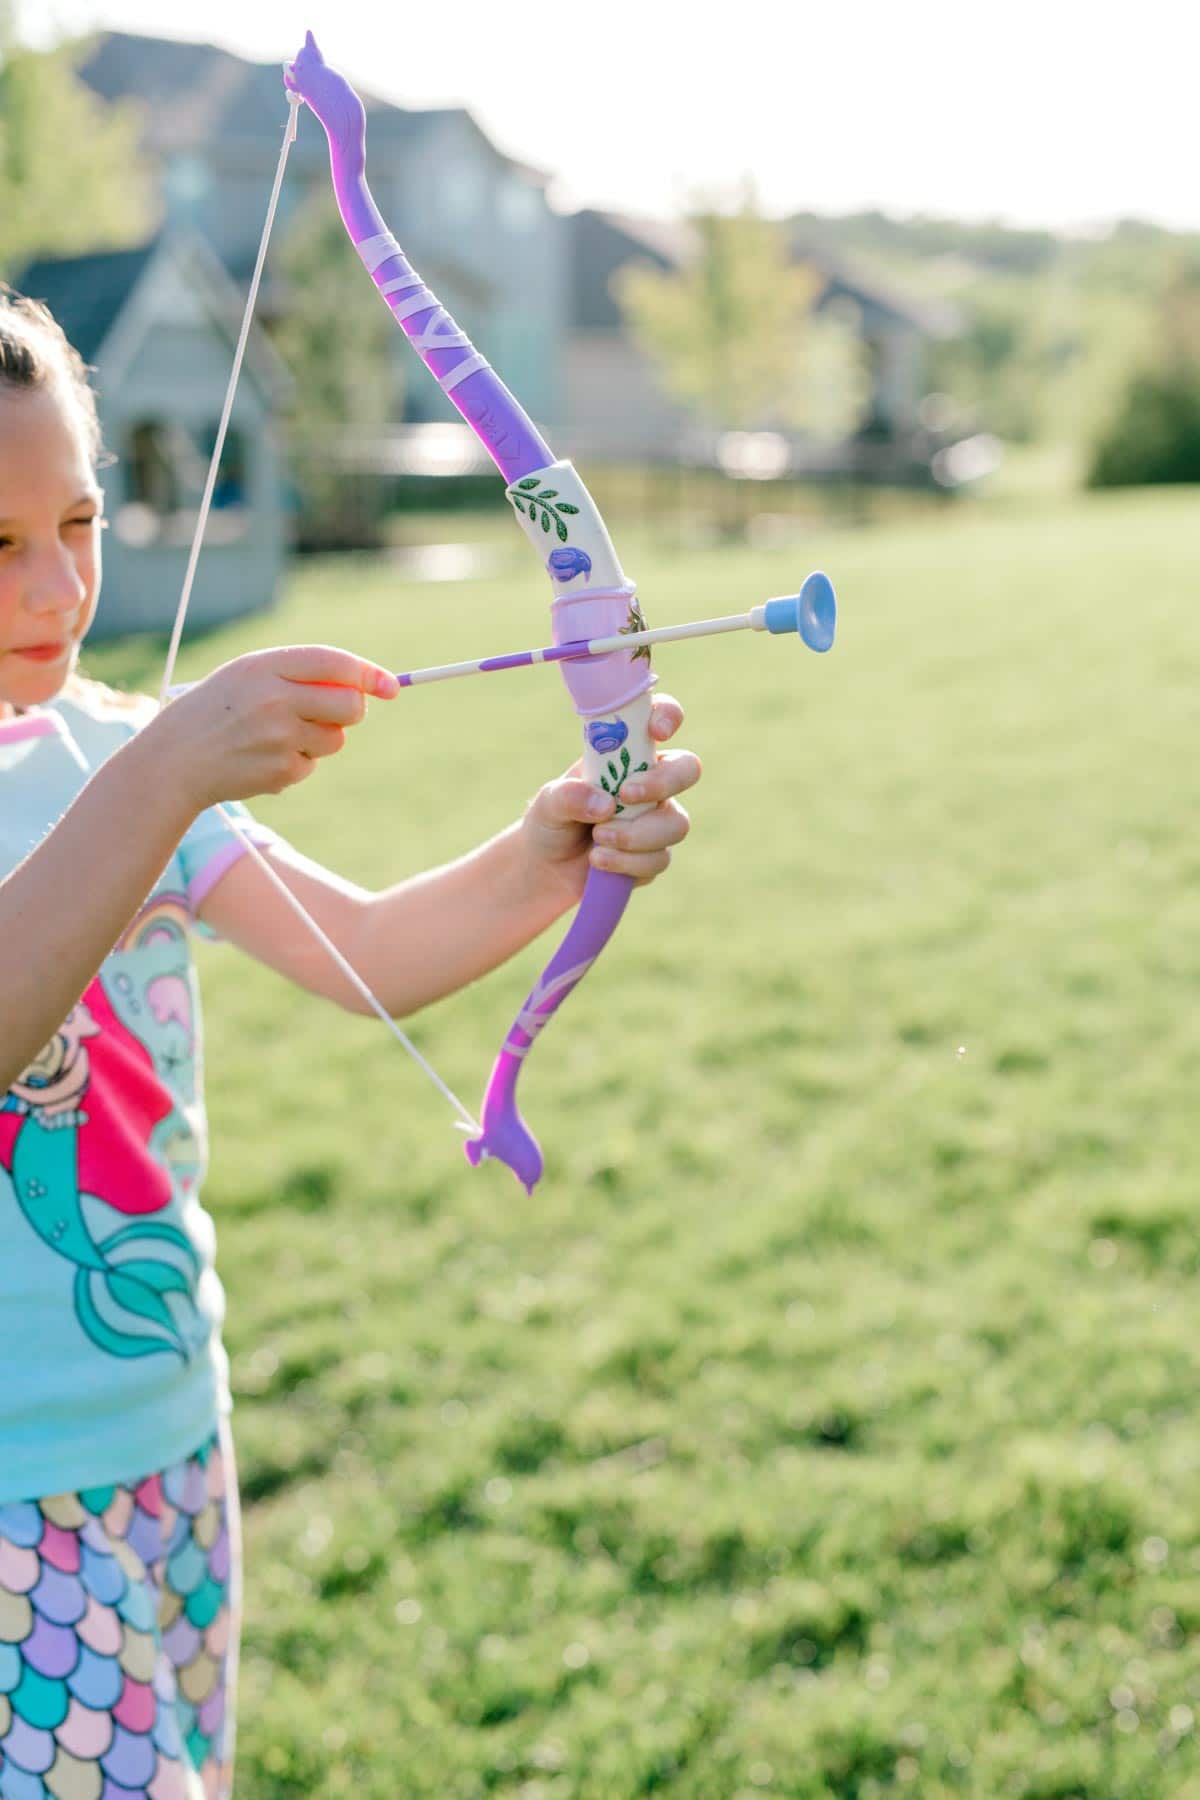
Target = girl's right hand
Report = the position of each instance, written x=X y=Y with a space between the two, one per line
x=260 y=723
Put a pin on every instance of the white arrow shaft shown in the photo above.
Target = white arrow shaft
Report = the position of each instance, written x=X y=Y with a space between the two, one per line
x=602 y=646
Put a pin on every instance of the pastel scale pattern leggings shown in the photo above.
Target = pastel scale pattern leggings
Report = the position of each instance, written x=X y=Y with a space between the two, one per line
x=118 y=1637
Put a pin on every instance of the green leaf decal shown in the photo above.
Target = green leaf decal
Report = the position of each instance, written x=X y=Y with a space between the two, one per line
x=542 y=504
x=614 y=771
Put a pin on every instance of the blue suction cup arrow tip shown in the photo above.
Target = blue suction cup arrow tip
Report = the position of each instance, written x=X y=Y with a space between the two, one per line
x=812 y=613
x=816 y=610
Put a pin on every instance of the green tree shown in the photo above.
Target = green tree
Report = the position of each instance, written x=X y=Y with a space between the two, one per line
x=729 y=332
x=335 y=336
x=1153 y=436
x=71 y=178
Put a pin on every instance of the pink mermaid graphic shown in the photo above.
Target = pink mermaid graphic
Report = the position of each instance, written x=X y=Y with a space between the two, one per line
x=78 y=1133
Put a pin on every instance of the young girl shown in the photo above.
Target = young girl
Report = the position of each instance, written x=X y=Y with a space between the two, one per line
x=118 y=1528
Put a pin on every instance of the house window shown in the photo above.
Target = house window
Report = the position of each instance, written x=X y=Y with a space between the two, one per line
x=166 y=466
x=152 y=483
x=153 y=469
x=231 y=488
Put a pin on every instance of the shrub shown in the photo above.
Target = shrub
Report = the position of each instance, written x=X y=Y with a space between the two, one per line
x=1155 y=435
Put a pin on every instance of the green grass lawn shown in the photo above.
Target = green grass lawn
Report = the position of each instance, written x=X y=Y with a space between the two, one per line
x=825 y=1424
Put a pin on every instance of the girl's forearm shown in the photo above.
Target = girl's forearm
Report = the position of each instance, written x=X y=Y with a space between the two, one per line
x=436 y=933
x=65 y=906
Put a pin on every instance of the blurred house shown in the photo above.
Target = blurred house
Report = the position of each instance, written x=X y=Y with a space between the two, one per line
x=896 y=330
x=475 y=222
x=533 y=288
x=616 y=405
x=160 y=325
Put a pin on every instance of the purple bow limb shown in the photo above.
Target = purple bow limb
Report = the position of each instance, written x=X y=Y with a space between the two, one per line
x=506 y=1137
x=497 y=418
x=519 y=451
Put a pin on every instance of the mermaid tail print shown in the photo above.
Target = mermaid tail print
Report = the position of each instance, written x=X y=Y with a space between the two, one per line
x=84 y=1154
x=138 y=1287
x=122 y=1281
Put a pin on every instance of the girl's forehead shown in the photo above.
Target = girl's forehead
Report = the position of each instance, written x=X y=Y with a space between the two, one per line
x=43 y=446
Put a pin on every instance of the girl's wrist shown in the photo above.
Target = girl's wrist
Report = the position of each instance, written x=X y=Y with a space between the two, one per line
x=543 y=885
x=167 y=773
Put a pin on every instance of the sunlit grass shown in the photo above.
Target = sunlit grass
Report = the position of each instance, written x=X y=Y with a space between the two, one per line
x=824 y=1425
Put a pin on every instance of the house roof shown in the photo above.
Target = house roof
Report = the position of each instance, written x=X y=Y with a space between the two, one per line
x=196 y=95
x=86 y=293
x=846 y=280
x=603 y=242
x=89 y=295
x=190 y=91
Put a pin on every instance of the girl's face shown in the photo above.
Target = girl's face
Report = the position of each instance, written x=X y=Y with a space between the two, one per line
x=50 y=508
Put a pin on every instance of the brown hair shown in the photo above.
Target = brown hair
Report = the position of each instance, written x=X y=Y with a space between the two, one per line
x=34 y=350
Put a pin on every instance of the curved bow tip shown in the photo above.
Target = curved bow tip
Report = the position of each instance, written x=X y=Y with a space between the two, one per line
x=306 y=59
x=330 y=96
x=816 y=606
x=508 y=1140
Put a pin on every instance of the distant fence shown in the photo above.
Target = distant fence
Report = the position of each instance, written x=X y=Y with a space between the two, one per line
x=366 y=478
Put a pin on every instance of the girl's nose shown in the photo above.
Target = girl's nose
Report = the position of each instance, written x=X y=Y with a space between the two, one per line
x=55 y=584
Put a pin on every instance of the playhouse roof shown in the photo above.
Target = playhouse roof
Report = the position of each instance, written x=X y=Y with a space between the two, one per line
x=86 y=294
x=91 y=295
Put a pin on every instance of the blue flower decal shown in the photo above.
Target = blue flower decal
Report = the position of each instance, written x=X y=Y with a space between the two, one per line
x=607 y=735
x=565 y=565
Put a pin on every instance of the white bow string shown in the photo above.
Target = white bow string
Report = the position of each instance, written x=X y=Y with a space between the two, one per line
x=466 y=1122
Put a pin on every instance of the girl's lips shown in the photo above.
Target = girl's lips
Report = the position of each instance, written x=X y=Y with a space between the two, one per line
x=43 y=652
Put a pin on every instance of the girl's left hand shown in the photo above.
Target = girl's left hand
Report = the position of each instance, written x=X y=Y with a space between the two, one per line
x=570 y=825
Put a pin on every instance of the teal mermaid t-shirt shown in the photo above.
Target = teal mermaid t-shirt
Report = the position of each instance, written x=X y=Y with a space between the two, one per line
x=111 y=1365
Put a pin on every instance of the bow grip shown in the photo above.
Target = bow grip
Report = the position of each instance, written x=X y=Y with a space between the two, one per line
x=592 y=598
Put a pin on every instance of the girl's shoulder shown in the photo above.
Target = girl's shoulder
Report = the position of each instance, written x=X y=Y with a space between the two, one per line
x=97 y=704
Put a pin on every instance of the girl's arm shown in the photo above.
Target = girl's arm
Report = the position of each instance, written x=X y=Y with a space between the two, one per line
x=412 y=943
x=429 y=936
x=254 y=727
x=65 y=906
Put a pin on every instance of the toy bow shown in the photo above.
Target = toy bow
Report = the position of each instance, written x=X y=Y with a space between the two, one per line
x=592 y=597
x=594 y=609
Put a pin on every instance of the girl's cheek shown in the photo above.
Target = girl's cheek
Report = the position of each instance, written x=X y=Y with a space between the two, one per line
x=8 y=603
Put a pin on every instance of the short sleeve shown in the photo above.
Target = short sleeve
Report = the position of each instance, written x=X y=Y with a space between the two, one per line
x=101 y=721
x=211 y=846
